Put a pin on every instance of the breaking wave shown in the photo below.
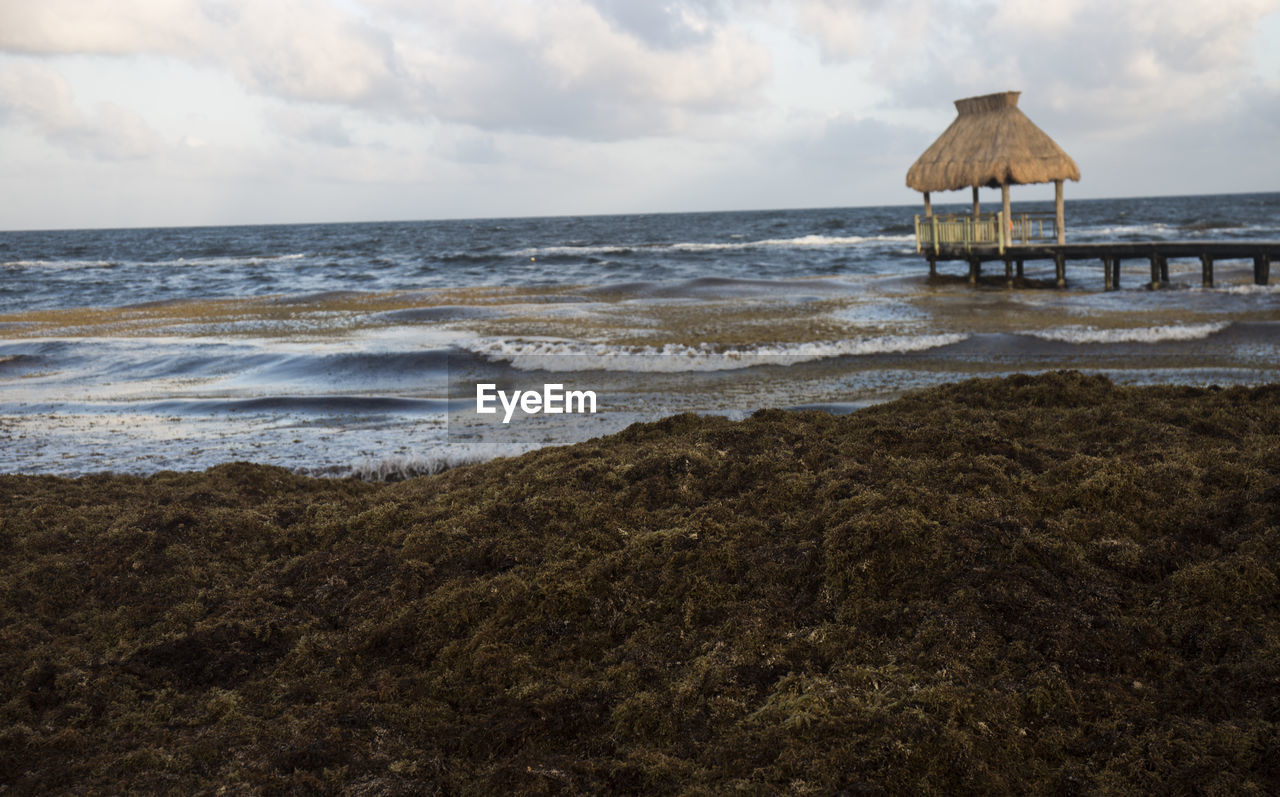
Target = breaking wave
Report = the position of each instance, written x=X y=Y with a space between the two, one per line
x=559 y=355
x=1158 y=334
x=803 y=241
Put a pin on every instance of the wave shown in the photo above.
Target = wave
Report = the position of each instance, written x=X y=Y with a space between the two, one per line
x=720 y=287
x=1249 y=288
x=303 y=405
x=803 y=241
x=222 y=260
x=1154 y=228
x=560 y=356
x=1157 y=334
x=59 y=264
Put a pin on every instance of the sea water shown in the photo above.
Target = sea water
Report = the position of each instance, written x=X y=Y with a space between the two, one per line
x=350 y=348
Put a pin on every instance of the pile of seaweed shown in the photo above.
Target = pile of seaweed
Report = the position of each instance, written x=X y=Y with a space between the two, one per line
x=1047 y=584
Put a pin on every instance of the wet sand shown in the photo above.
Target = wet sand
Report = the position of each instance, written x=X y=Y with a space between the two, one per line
x=1048 y=584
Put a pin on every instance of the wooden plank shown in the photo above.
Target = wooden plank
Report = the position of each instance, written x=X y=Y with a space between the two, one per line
x=1206 y=270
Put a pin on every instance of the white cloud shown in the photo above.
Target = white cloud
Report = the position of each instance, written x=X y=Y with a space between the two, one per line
x=559 y=67
x=297 y=49
x=40 y=98
x=443 y=107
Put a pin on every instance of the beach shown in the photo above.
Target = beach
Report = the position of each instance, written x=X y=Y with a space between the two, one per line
x=349 y=349
x=1029 y=584
x=827 y=524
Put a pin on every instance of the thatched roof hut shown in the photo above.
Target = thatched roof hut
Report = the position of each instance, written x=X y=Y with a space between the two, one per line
x=991 y=143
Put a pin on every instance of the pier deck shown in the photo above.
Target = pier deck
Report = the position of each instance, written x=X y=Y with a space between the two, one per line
x=1110 y=254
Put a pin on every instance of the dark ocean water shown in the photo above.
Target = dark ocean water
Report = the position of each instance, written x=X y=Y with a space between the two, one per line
x=337 y=348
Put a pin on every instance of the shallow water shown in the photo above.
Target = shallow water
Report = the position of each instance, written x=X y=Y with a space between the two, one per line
x=357 y=347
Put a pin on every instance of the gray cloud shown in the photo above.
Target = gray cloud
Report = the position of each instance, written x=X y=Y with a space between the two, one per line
x=325 y=129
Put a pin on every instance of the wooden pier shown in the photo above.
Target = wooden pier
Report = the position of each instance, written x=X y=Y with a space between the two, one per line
x=992 y=144
x=1109 y=255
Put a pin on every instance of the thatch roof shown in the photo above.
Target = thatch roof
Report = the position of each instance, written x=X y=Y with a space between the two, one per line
x=990 y=143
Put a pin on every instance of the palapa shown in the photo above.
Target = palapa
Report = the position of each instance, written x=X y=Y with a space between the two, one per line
x=991 y=143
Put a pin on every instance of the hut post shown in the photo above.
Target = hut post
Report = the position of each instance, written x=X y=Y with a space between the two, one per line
x=1004 y=206
x=1059 y=215
x=977 y=209
x=928 y=206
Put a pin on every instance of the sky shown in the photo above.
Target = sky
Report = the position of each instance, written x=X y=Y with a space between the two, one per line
x=139 y=113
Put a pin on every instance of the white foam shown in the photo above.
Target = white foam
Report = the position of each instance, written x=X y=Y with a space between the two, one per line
x=57 y=263
x=1158 y=334
x=1246 y=289
x=561 y=355
x=1157 y=228
x=803 y=241
x=181 y=261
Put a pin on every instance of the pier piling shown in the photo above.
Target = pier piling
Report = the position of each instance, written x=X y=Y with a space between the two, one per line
x=1111 y=253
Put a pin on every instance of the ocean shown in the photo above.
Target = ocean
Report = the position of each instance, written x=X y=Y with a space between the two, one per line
x=356 y=349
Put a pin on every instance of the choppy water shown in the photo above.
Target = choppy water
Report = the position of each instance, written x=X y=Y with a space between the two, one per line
x=336 y=348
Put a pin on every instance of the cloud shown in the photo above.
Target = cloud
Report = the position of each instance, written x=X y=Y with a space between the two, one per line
x=41 y=99
x=571 y=68
x=878 y=30
x=325 y=129
x=294 y=49
x=1121 y=67
x=603 y=70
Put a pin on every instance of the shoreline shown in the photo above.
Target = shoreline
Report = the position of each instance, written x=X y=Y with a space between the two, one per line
x=1017 y=584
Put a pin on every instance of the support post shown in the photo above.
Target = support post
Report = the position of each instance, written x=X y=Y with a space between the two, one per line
x=1005 y=220
x=933 y=267
x=1060 y=216
x=1019 y=268
x=1008 y=273
x=1164 y=269
x=975 y=270
x=1155 y=271
x=1106 y=275
x=1206 y=270
x=1115 y=273
x=1060 y=268
x=977 y=209
x=928 y=206
x=1262 y=269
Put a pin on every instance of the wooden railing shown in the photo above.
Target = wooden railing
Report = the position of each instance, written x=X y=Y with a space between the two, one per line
x=986 y=229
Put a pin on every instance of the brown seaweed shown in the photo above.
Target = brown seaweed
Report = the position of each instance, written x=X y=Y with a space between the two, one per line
x=1042 y=584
